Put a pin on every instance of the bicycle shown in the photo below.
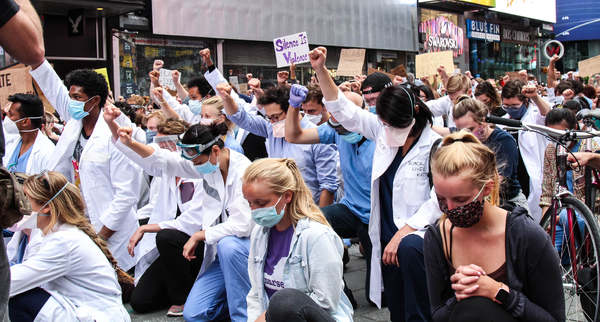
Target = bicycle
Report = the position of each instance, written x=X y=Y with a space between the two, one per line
x=591 y=119
x=579 y=246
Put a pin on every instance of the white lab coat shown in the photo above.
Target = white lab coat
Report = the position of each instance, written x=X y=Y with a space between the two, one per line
x=220 y=200
x=163 y=205
x=110 y=184
x=42 y=152
x=82 y=283
x=411 y=184
x=33 y=245
x=442 y=106
x=532 y=147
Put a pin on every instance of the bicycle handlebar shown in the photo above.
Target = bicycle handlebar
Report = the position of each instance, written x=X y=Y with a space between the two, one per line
x=565 y=135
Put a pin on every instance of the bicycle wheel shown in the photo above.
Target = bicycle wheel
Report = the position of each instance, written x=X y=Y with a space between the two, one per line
x=579 y=251
x=592 y=190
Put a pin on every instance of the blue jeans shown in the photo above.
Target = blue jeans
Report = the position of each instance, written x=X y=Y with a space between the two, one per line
x=561 y=227
x=224 y=285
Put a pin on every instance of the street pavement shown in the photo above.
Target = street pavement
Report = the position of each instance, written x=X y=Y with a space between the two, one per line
x=354 y=274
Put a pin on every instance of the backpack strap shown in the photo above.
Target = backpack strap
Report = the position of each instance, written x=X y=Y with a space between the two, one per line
x=434 y=147
x=13 y=202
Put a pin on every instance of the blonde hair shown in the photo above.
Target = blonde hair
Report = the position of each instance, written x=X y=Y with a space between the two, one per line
x=458 y=82
x=217 y=102
x=461 y=154
x=156 y=114
x=172 y=127
x=282 y=175
x=68 y=208
x=466 y=104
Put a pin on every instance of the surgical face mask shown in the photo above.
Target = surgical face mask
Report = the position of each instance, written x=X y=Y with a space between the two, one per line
x=516 y=113
x=279 y=129
x=352 y=137
x=31 y=118
x=268 y=216
x=76 y=109
x=467 y=215
x=30 y=221
x=372 y=109
x=396 y=137
x=207 y=167
x=150 y=136
x=206 y=121
x=315 y=119
x=195 y=106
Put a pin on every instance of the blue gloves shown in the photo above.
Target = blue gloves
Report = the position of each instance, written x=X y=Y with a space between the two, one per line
x=297 y=95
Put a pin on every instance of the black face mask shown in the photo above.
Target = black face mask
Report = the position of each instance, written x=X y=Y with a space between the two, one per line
x=464 y=216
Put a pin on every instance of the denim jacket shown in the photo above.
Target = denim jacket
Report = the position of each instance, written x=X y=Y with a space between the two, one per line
x=314 y=266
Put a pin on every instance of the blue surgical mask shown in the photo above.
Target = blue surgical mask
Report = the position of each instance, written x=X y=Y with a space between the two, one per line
x=352 y=138
x=268 y=216
x=150 y=136
x=207 y=167
x=517 y=113
x=76 y=109
x=195 y=106
x=372 y=109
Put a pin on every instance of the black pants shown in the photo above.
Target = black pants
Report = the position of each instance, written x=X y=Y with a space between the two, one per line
x=26 y=306
x=171 y=277
x=291 y=305
x=406 y=286
x=479 y=309
x=347 y=225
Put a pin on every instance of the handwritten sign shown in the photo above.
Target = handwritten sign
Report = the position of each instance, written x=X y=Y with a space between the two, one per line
x=427 y=64
x=373 y=70
x=13 y=80
x=351 y=62
x=291 y=49
x=166 y=79
x=399 y=70
x=589 y=66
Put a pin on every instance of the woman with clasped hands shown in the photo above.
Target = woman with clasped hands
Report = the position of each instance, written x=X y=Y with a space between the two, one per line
x=482 y=262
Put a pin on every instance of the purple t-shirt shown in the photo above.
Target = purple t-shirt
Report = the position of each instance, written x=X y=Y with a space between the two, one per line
x=278 y=250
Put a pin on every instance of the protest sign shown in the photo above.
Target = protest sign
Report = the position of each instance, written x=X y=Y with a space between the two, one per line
x=291 y=49
x=351 y=62
x=427 y=64
x=373 y=70
x=589 y=66
x=14 y=79
x=104 y=72
x=399 y=70
x=166 y=79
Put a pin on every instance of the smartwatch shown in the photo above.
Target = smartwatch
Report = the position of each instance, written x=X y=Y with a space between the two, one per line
x=502 y=296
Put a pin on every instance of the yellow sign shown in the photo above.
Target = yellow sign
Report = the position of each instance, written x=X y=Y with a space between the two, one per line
x=487 y=3
x=104 y=72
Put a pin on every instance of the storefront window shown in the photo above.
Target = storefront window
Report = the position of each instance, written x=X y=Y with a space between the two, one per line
x=494 y=59
x=137 y=54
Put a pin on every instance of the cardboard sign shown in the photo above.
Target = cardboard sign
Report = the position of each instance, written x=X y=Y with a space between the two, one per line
x=13 y=80
x=351 y=62
x=589 y=66
x=291 y=49
x=104 y=72
x=166 y=79
x=373 y=70
x=513 y=75
x=427 y=64
x=399 y=70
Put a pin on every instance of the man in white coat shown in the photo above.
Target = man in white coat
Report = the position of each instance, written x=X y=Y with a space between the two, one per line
x=110 y=184
x=32 y=151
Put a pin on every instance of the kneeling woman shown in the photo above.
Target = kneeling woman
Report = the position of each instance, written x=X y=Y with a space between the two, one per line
x=73 y=276
x=481 y=261
x=295 y=263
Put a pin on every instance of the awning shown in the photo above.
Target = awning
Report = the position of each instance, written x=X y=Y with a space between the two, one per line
x=93 y=8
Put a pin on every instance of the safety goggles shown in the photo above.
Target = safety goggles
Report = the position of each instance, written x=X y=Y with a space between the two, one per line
x=192 y=151
x=339 y=128
x=168 y=142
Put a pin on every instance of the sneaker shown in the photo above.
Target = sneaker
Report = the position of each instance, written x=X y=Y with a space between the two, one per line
x=175 y=310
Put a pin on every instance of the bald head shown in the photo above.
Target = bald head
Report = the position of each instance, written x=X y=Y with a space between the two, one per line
x=354 y=98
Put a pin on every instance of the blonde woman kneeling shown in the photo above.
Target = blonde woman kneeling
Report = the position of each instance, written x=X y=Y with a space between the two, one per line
x=295 y=262
x=73 y=276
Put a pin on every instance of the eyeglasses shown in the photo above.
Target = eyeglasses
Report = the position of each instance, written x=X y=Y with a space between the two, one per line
x=339 y=128
x=505 y=107
x=274 y=116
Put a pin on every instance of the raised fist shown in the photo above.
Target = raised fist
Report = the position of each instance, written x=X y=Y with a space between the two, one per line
x=158 y=64
x=317 y=57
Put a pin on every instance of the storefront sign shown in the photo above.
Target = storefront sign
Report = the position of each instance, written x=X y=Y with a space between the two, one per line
x=442 y=34
x=291 y=49
x=483 y=30
x=517 y=36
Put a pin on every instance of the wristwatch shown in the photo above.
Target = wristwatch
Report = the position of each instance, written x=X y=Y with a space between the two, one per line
x=502 y=295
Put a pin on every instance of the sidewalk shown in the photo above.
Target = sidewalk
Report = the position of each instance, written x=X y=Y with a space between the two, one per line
x=354 y=275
